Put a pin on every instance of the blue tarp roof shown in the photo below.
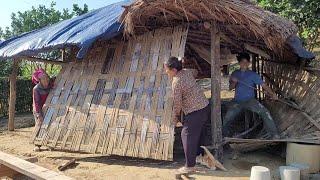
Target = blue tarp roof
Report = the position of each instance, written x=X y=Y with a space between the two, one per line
x=81 y=31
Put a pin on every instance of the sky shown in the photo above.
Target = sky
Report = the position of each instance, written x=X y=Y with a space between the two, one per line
x=7 y=7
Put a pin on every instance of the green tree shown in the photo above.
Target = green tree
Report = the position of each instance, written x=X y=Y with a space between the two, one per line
x=36 y=18
x=304 y=13
x=79 y=11
x=5 y=67
x=39 y=17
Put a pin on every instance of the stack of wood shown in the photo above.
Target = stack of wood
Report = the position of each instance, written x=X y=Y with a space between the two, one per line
x=12 y=167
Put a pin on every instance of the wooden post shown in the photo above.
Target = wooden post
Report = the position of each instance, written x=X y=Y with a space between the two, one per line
x=254 y=68
x=216 y=122
x=12 y=100
x=261 y=74
x=258 y=71
x=254 y=62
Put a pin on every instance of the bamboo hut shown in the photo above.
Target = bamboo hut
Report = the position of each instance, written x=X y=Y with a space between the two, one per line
x=113 y=97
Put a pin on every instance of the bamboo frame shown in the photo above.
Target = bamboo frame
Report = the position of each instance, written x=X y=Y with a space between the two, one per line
x=34 y=59
x=109 y=102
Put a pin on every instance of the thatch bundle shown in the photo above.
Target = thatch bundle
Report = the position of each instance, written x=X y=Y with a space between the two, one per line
x=239 y=19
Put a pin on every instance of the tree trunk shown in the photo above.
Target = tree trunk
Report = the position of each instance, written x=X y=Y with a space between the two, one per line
x=12 y=100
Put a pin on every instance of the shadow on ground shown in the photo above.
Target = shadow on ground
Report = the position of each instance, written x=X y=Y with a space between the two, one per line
x=127 y=161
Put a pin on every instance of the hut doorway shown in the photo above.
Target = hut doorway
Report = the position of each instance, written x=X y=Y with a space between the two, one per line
x=213 y=53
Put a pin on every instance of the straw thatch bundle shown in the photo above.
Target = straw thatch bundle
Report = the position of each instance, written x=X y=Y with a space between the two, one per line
x=235 y=18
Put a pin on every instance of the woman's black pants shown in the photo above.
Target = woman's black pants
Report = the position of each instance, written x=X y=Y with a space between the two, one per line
x=193 y=125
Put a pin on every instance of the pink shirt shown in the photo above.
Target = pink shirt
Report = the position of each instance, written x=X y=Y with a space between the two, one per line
x=187 y=94
x=40 y=95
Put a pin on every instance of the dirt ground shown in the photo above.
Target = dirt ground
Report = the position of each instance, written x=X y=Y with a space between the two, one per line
x=114 y=167
x=21 y=121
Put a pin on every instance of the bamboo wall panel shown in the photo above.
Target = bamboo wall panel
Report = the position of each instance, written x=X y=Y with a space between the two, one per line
x=116 y=101
x=301 y=87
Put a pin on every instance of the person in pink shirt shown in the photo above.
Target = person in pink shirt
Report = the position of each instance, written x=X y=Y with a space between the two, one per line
x=40 y=93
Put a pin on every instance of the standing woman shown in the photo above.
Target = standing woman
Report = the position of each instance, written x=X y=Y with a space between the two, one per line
x=39 y=95
x=189 y=98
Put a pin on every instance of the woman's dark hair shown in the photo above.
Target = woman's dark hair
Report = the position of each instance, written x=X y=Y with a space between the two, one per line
x=242 y=56
x=173 y=63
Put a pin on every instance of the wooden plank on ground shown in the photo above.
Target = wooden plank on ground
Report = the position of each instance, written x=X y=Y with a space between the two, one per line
x=239 y=140
x=29 y=169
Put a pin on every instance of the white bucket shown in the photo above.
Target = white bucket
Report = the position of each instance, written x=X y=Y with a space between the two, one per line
x=289 y=173
x=260 y=173
x=304 y=154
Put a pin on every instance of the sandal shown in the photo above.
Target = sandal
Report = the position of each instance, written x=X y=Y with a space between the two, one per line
x=186 y=170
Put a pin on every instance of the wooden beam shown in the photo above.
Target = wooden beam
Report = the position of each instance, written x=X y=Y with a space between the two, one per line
x=66 y=165
x=230 y=41
x=202 y=52
x=29 y=169
x=257 y=51
x=7 y=172
x=296 y=140
x=254 y=68
x=34 y=59
x=216 y=122
x=63 y=55
x=205 y=54
x=13 y=94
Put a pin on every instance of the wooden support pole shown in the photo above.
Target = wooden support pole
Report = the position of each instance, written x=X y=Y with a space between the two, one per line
x=12 y=100
x=254 y=68
x=216 y=122
x=257 y=51
x=259 y=72
x=254 y=62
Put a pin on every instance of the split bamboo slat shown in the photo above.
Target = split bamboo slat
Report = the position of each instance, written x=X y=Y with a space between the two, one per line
x=301 y=88
x=117 y=100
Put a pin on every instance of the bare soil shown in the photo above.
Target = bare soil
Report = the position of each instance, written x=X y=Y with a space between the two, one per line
x=90 y=166
x=21 y=121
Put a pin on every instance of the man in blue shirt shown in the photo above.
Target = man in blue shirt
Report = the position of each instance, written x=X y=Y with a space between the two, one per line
x=244 y=81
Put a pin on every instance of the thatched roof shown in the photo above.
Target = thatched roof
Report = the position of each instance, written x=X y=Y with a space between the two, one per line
x=239 y=21
x=243 y=27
